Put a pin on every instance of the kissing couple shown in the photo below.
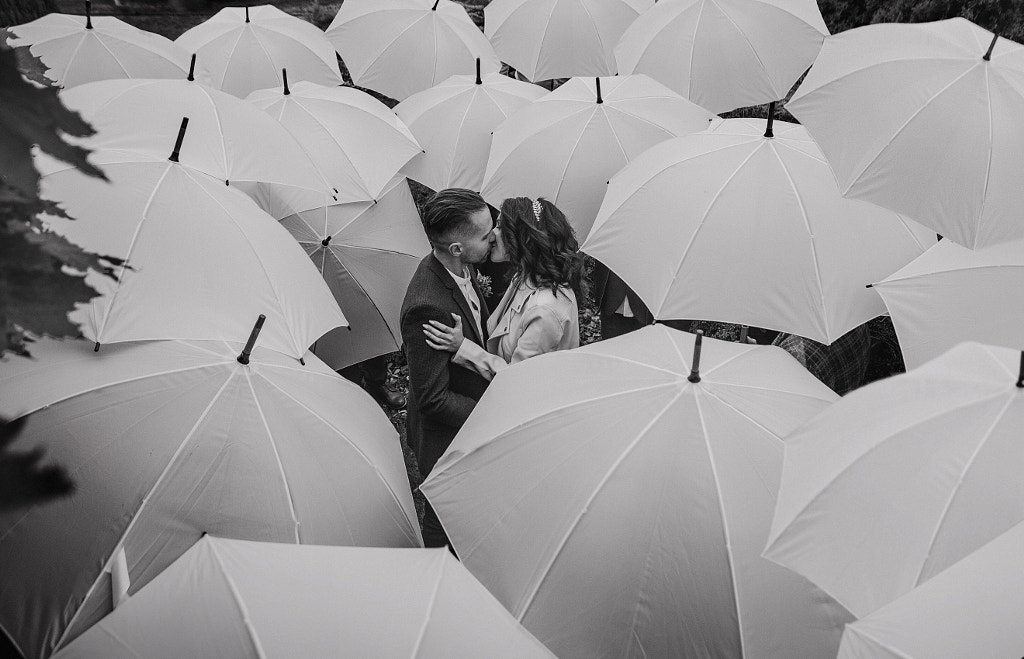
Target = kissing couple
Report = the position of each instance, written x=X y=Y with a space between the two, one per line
x=453 y=344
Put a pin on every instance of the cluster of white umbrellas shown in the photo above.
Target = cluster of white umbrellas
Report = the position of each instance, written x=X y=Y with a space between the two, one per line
x=653 y=495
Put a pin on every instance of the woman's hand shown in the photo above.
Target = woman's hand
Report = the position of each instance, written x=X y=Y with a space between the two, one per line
x=442 y=337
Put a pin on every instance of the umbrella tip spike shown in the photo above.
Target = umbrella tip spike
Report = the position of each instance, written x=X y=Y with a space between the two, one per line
x=869 y=285
x=988 y=53
x=284 y=79
x=96 y=348
x=695 y=366
x=771 y=118
x=434 y=8
x=88 y=14
x=597 y=84
x=192 y=69
x=227 y=182
x=243 y=358
x=177 y=143
x=326 y=241
x=302 y=361
x=247 y=13
x=479 y=80
x=1020 y=375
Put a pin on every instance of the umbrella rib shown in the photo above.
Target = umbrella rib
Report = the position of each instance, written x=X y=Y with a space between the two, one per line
x=375 y=306
x=953 y=492
x=853 y=463
x=71 y=59
x=237 y=597
x=568 y=160
x=703 y=219
x=600 y=40
x=746 y=40
x=228 y=172
x=693 y=47
x=941 y=272
x=358 y=178
x=231 y=54
x=458 y=138
x=103 y=629
x=543 y=32
x=112 y=55
x=142 y=505
x=354 y=447
x=810 y=237
x=854 y=629
x=524 y=606
x=988 y=165
x=725 y=523
x=467 y=551
x=299 y=350
x=389 y=44
x=128 y=254
x=430 y=607
x=906 y=123
x=277 y=457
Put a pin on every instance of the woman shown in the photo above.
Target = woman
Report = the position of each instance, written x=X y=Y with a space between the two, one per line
x=539 y=312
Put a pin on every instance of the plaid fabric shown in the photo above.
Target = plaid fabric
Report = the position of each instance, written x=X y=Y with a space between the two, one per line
x=841 y=366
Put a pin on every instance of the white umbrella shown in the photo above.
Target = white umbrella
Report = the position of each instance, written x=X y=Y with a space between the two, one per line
x=951 y=294
x=453 y=121
x=235 y=598
x=546 y=39
x=616 y=499
x=724 y=54
x=201 y=259
x=567 y=144
x=971 y=609
x=400 y=47
x=902 y=478
x=80 y=49
x=244 y=49
x=924 y=119
x=168 y=440
x=733 y=225
x=229 y=139
x=354 y=139
x=367 y=252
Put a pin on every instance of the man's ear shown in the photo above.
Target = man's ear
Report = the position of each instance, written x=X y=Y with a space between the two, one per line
x=455 y=249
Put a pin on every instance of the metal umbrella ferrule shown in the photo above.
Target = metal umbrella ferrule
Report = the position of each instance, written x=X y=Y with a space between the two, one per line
x=247 y=350
x=695 y=366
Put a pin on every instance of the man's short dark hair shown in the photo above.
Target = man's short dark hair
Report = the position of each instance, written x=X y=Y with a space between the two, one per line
x=446 y=214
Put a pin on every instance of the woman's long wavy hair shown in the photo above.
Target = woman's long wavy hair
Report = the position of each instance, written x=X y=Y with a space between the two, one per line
x=544 y=251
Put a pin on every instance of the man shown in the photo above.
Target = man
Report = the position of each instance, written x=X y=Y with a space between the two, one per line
x=459 y=227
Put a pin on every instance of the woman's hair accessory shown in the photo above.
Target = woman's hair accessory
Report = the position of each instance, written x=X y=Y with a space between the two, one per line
x=537 y=209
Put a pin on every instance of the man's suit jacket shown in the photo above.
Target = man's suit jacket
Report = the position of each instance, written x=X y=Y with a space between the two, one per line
x=441 y=394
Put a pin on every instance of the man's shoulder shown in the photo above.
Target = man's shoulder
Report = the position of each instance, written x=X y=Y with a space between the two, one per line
x=425 y=287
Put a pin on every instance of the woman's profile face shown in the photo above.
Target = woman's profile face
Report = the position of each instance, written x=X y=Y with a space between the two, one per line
x=498 y=253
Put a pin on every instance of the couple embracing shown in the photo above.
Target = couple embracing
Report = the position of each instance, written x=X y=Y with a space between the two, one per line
x=453 y=344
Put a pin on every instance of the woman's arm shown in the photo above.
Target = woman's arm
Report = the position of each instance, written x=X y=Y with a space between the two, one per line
x=466 y=353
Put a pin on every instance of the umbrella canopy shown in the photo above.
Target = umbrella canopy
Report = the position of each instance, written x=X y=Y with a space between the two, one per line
x=228 y=138
x=618 y=508
x=972 y=608
x=354 y=139
x=244 y=49
x=81 y=49
x=924 y=119
x=546 y=39
x=951 y=294
x=566 y=145
x=169 y=440
x=454 y=120
x=235 y=598
x=724 y=54
x=400 y=47
x=201 y=259
x=367 y=253
x=904 y=477
x=733 y=225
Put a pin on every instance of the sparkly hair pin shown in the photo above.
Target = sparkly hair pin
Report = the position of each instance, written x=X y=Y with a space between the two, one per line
x=537 y=208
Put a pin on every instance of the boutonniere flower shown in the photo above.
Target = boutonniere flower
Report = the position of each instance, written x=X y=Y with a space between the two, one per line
x=484 y=283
